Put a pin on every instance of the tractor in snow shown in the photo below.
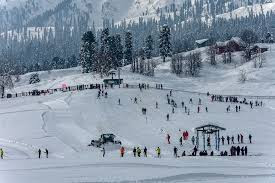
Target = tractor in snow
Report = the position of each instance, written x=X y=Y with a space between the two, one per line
x=105 y=139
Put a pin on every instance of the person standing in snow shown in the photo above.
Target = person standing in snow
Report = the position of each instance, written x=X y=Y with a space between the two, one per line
x=198 y=109
x=250 y=138
x=119 y=101
x=122 y=151
x=206 y=109
x=195 y=150
x=138 y=149
x=1 y=153
x=232 y=139
x=242 y=150
x=223 y=140
x=103 y=152
x=134 y=151
x=241 y=138
x=47 y=153
x=181 y=141
x=182 y=104
x=238 y=150
x=168 y=138
x=145 y=152
x=39 y=153
x=245 y=150
x=157 y=105
x=158 y=152
x=238 y=138
x=228 y=140
x=173 y=110
x=175 y=152
x=167 y=117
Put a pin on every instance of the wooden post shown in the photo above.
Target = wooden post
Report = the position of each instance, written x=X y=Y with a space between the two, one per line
x=197 y=139
x=218 y=140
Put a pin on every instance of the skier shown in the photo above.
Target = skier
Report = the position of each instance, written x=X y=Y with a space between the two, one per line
x=138 y=152
x=47 y=153
x=181 y=141
x=157 y=105
x=175 y=152
x=103 y=152
x=134 y=151
x=173 y=110
x=241 y=138
x=170 y=92
x=122 y=151
x=193 y=140
x=145 y=152
x=206 y=109
x=223 y=140
x=167 y=117
x=1 y=153
x=238 y=138
x=198 y=109
x=39 y=153
x=182 y=104
x=245 y=150
x=119 y=101
x=236 y=108
x=168 y=138
x=158 y=152
x=191 y=101
x=250 y=138
x=135 y=100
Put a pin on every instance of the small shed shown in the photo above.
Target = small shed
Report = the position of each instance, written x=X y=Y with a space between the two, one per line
x=209 y=129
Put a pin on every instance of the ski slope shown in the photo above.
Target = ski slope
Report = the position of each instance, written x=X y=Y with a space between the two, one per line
x=66 y=122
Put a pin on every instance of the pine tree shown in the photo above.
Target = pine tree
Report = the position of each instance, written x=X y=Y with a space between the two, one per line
x=88 y=53
x=128 y=53
x=165 y=42
x=149 y=47
x=119 y=50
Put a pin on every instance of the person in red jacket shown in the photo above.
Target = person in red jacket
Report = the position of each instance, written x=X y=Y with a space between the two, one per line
x=186 y=134
x=122 y=151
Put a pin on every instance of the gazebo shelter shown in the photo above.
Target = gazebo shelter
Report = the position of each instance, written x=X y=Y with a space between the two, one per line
x=209 y=130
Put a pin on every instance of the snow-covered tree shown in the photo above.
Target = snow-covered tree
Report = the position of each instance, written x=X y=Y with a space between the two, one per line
x=165 y=42
x=149 y=43
x=88 y=53
x=128 y=53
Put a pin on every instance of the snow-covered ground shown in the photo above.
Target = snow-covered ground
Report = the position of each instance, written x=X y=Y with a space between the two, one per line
x=65 y=123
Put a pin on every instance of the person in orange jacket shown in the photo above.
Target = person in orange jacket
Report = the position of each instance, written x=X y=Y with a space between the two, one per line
x=122 y=151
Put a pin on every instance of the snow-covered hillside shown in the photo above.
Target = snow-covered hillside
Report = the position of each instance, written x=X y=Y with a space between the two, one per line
x=223 y=78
